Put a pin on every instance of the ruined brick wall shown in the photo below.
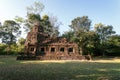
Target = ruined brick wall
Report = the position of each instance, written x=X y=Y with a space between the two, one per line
x=40 y=44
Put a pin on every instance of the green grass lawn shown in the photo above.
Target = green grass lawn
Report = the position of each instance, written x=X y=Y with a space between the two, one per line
x=11 y=69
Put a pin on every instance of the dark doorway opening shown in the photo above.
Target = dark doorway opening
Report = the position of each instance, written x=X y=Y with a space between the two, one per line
x=70 y=50
x=61 y=49
x=52 y=49
x=32 y=49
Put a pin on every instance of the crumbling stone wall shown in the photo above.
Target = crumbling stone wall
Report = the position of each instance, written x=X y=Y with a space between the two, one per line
x=42 y=46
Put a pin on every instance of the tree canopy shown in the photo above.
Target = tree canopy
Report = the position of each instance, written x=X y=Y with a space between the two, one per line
x=102 y=40
x=10 y=31
x=81 y=23
x=104 y=31
x=36 y=8
x=79 y=27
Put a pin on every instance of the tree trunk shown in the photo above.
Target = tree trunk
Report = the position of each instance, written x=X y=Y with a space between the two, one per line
x=81 y=51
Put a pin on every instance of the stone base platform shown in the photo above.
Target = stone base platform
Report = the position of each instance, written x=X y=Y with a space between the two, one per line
x=77 y=57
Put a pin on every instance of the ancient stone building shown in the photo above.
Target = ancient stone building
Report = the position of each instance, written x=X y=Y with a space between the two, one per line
x=44 y=47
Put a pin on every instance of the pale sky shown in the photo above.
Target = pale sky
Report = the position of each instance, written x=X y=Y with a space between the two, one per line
x=99 y=11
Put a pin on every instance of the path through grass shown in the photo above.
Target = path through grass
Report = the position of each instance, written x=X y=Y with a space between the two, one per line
x=10 y=69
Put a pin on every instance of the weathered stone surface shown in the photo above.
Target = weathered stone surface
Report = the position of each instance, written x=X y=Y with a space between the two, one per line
x=44 y=47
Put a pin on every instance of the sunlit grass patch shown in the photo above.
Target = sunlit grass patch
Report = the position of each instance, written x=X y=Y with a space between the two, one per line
x=11 y=69
x=49 y=61
x=1 y=62
x=110 y=60
x=45 y=61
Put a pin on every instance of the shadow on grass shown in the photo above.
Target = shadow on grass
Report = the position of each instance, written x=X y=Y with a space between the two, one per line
x=10 y=69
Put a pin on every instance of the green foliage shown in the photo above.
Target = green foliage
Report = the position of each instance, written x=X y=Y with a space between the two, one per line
x=36 y=8
x=95 y=42
x=45 y=17
x=50 y=25
x=113 y=46
x=81 y=23
x=99 y=41
x=114 y=40
x=46 y=24
x=69 y=35
x=10 y=31
x=92 y=43
x=12 y=49
x=21 y=41
x=33 y=15
x=2 y=49
x=29 y=22
x=80 y=27
x=32 y=18
x=55 y=25
x=20 y=49
x=21 y=46
x=19 y=19
x=104 y=33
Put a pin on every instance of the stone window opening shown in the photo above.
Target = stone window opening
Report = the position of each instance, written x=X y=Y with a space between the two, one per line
x=32 y=49
x=52 y=49
x=62 y=49
x=70 y=50
x=42 y=49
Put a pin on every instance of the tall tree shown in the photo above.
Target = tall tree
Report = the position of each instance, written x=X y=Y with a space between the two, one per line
x=33 y=15
x=0 y=25
x=36 y=8
x=81 y=23
x=55 y=25
x=113 y=45
x=10 y=31
x=21 y=41
x=46 y=24
x=2 y=49
x=20 y=46
x=49 y=24
x=0 y=30
x=104 y=32
x=69 y=35
x=92 y=43
x=31 y=19
x=80 y=26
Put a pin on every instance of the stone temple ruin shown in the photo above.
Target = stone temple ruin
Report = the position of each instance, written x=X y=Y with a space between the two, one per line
x=41 y=46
